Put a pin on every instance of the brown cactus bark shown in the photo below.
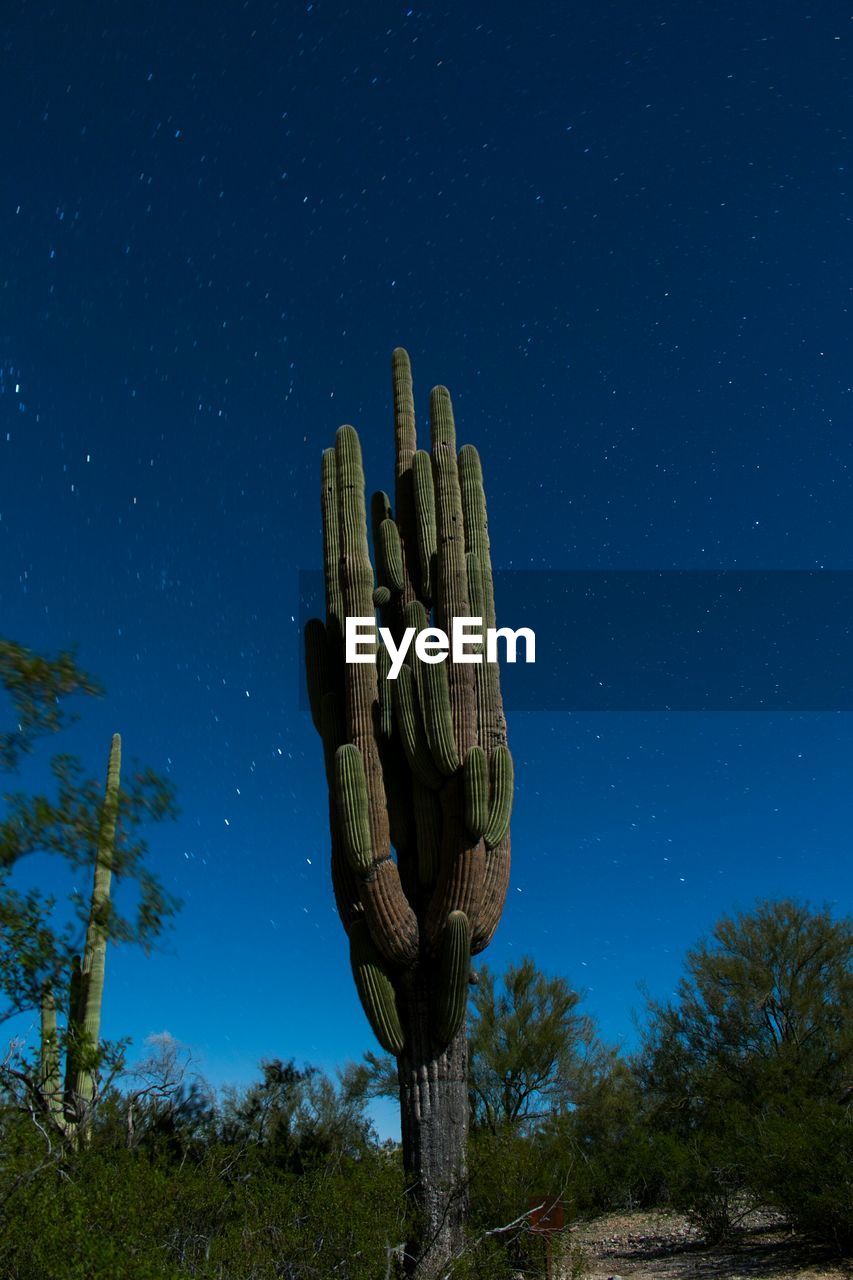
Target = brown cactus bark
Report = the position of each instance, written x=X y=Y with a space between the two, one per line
x=434 y=1124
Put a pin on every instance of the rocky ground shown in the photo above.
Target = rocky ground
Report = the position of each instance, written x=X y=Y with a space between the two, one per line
x=666 y=1247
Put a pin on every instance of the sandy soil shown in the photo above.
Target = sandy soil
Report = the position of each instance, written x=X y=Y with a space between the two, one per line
x=665 y=1247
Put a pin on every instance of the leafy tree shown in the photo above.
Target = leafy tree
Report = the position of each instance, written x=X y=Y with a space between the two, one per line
x=169 y=1107
x=747 y=1074
x=297 y=1117
x=34 y=949
x=531 y=1049
x=766 y=1004
x=35 y=686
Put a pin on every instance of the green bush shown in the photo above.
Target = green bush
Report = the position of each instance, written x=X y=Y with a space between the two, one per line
x=122 y=1214
x=802 y=1162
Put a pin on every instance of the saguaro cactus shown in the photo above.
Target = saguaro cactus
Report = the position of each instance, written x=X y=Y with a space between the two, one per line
x=69 y=1106
x=420 y=780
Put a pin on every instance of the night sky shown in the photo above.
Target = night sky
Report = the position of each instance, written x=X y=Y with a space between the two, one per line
x=621 y=235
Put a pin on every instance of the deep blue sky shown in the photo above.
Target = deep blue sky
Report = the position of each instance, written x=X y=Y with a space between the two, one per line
x=620 y=234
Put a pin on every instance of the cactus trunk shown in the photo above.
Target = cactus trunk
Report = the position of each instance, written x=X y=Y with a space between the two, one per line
x=434 y=1128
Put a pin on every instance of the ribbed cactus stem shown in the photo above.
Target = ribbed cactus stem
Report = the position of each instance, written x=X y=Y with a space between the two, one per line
x=476 y=780
x=357 y=575
x=50 y=1085
x=375 y=989
x=380 y=509
x=94 y=953
x=434 y=699
x=450 y=995
x=386 y=692
x=424 y=494
x=495 y=884
x=490 y=715
x=428 y=831
x=335 y=610
x=412 y=732
x=405 y=444
x=501 y=778
x=474 y=570
x=452 y=595
x=75 y=1022
x=393 y=923
x=389 y=555
x=476 y=522
x=351 y=798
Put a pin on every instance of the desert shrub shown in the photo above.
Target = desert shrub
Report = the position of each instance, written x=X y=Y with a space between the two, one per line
x=510 y=1171
x=741 y=1076
x=108 y=1213
x=802 y=1162
x=703 y=1177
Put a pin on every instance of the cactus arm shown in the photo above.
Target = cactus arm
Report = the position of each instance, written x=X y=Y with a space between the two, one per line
x=392 y=921
x=389 y=555
x=476 y=598
x=462 y=862
x=434 y=698
x=412 y=733
x=424 y=504
x=415 y=615
x=357 y=584
x=452 y=594
x=476 y=522
x=386 y=596
x=405 y=445
x=352 y=807
x=500 y=806
x=335 y=611
x=497 y=838
x=375 y=989
x=490 y=713
x=431 y=681
x=380 y=509
x=362 y=693
x=344 y=879
x=450 y=992
x=495 y=885
x=386 y=692
x=476 y=781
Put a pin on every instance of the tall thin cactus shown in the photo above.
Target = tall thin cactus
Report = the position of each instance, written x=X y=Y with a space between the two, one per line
x=50 y=1084
x=69 y=1106
x=420 y=780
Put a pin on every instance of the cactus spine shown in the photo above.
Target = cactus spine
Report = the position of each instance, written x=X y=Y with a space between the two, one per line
x=420 y=778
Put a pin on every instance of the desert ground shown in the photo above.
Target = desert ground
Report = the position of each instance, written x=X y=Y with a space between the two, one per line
x=665 y=1246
